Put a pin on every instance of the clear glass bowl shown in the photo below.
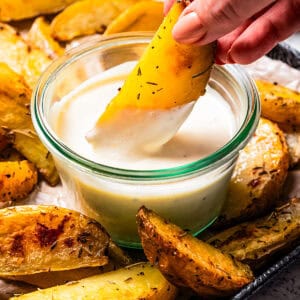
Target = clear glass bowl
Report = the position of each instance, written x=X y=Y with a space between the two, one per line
x=191 y=195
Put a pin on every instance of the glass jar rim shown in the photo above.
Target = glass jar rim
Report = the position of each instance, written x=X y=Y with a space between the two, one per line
x=213 y=160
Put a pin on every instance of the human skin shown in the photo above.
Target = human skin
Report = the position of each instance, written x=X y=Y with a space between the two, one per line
x=244 y=29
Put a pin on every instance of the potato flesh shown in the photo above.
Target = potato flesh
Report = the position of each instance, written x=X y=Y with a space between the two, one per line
x=21 y=57
x=186 y=261
x=259 y=175
x=36 y=239
x=140 y=281
x=254 y=242
x=39 y=36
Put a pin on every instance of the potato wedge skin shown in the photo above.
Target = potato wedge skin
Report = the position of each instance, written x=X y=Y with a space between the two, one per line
x=187 y=261
x=278 y=103
x=17 y=180
x=86 y=17
x=259 y=175
x=139 y=281
x=39 y=36
x=146 y=87
x=142 y=16
x=256 y=241
x=20 y=9
x=15 y=118
x=38 y=238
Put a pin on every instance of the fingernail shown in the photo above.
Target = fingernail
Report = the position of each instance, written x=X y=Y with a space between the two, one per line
x=188 y=28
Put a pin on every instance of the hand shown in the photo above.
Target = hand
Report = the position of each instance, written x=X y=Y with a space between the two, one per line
x=245 y=29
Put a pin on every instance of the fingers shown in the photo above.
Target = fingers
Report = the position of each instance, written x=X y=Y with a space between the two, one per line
x=273 y=26
x=204 y=21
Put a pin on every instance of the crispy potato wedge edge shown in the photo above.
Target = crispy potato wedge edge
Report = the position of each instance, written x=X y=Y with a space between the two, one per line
x=187 y=261
x=39 y=238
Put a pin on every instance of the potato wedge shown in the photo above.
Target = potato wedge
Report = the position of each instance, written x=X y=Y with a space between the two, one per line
x=21 y=57
x=187 y=261
x=292 y=136
x=255 y=242
x=279 y=103
x=20 y=9
x=17 y=180
x=259 y=175
x=39 y=238
x=143 y=16
x=139 y=281
x=146 y=87
x=39 y=36
x=15 y=118
x=87 y=17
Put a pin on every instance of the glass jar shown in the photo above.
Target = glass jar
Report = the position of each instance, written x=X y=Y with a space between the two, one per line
x=191 y=195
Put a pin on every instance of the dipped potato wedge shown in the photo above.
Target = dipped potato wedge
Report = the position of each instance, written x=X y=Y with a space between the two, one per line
x=139 y=281
x=87 y=17
x=20 y=9
x=15 y=118
x=17 y=180
x=145 y=87
x=39 y=36
x=142 y=16
x=36 y=239
x=279 y=103
x=258 y=176
x=187 y=261
x=255 y=242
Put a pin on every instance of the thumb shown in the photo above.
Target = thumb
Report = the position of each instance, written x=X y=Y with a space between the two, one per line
x=204 y=21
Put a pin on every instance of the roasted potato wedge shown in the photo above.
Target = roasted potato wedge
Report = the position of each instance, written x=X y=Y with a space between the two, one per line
x=255 y=242
x=278 y=103
x=139 y=281
x=39 y=36
x=292 y=136
x=15 y=118
x=21 y=57
x=37 y=238
x=87 y=17
x=20 y=9
x=143 y=16
x=259 y=175
x=187 y=261
x=17 y=180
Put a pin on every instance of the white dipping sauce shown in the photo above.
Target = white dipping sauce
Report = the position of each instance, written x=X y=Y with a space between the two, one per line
x=209 y=126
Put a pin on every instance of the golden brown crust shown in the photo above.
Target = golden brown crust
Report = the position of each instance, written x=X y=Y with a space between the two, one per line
x=255 y=242
x=279 y=104
x=187 y=261
x=36 y=239
x=17 y=180
x=259 y=175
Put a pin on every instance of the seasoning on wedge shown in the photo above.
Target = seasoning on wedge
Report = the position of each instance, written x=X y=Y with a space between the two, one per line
x=187 y=261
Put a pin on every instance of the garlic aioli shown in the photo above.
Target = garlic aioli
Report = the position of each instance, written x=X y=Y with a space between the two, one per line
x=208 y=124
